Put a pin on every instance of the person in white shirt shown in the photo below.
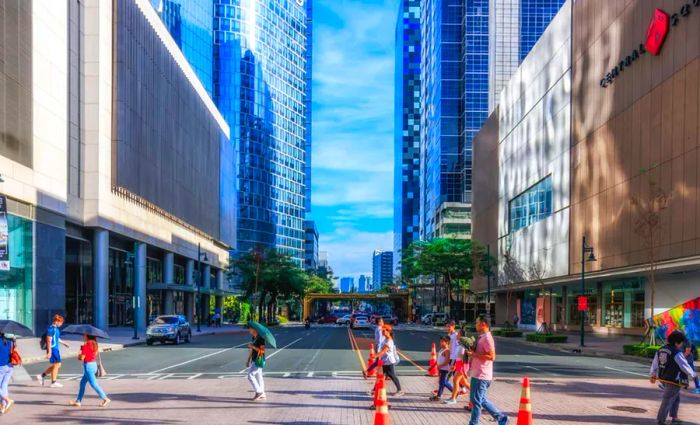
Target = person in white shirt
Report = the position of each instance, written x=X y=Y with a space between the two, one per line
x=378 y=341
x=390 y=358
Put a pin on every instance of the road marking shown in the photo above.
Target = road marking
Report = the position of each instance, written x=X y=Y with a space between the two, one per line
x=195 y=376
x=286 y=375
x=276 y=351
x=199 y=358
x=626 y=371
x=310 y=375
x=543 y=371
x=166 y=376
x=334 y=374
x=410 y=361
x=113 y=377
x=356 y=349
x=536 y=353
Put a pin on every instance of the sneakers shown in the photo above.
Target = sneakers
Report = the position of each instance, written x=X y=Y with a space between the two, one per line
x=40 y=378
x=7 y=407
x=463 y=391
x=256 y=396
x=696 y=391
x=450 y=401
x=503 y=420
x=434 y=398
x=468 y=407
x=263 y=396
x=56 y=385
x=74 y=403
x=105 y=402
x=399 y=393
x=676 y=421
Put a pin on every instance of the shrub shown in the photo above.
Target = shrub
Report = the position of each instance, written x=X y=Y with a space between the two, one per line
x=547 y=338
x=640 y=350
x=508 y=333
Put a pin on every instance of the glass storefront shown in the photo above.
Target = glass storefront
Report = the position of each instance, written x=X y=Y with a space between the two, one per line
x=16 y=284
x=528 y=308
x=178 y=302
x=573 y=315
x=154 y=270
x=155 y=303
x=79 y=281
x=179 y=275
x=121 y=288
x=623 y=303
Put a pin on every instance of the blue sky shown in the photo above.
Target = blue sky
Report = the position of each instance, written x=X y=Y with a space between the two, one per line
x=353 y=91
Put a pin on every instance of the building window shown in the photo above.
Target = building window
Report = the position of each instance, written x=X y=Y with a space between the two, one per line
x=154 y=271
x=532 y=205
x=623 y=304
x=574 y=316
x=16 y=291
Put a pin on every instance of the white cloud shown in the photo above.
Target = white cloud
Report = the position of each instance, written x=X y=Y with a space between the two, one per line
x=350 y=251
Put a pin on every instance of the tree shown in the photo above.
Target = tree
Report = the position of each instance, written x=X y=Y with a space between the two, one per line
x=537 y=272
x=647 y=226
x=315 y=284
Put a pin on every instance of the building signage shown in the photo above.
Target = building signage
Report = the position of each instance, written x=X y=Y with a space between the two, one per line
x=4 y=236
x=655 y=36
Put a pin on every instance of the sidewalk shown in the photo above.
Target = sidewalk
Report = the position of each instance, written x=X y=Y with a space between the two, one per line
x=338 y=400
x=31 y=351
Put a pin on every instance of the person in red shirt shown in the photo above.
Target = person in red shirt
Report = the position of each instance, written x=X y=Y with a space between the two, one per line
x=88 y=354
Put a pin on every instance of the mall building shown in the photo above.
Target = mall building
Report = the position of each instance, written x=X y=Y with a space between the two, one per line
x=596 y=121
x=117 y=168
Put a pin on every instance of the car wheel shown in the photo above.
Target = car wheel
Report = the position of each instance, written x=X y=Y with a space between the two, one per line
x=188 y=339
x=149 y=342
x=177 y=339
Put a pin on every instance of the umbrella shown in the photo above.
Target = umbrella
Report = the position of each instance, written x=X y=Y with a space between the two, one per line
x=85 y=329
x=264 y=332
x=14 y=328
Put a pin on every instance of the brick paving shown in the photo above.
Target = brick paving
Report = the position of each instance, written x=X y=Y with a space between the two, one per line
x=335 y=400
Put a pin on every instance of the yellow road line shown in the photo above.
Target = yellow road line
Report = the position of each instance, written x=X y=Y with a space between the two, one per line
x=356 y=349
x=410 y=360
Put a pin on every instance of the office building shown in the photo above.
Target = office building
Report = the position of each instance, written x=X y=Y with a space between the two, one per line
x=310 y=246
x=406 y=128
x=382 y=268
x=364 y=284
x=308 y=105
x=104 y=199
x=347 y=285
x=578 y=140
x=260 y=88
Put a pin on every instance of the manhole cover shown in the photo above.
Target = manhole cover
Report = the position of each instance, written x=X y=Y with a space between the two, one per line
x=629 y=409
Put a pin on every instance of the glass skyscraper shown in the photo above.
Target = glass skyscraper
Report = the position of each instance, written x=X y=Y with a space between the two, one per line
x=407 y=128
x=260 y=88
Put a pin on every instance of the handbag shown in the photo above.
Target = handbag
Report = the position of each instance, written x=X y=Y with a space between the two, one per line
x=15 y=358
x=101 y=371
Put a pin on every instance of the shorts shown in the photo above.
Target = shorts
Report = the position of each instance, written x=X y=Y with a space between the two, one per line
x=55 y=356
x=459 y=366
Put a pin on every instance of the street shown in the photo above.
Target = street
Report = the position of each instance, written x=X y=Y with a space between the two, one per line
x=314 y=377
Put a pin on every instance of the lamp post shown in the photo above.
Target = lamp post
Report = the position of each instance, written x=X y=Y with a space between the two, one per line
x=201 y=256
x=135 y=301
x=585 y=249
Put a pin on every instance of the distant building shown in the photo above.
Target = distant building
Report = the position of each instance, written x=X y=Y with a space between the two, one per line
x=364 y=284
x=324 y=269
x=382 y=268
x=310 y=246
x=347 y=285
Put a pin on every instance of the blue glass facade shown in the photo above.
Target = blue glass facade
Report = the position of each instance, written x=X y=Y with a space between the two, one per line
x=260 y=88
x=407 y=128
x=190 y=23
x=533 y=205
x=308 y=101
x=535 y=16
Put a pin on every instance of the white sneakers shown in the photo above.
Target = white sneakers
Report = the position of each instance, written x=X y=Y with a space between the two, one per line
x=56 y=385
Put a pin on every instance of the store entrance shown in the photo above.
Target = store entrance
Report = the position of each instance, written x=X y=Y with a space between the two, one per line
x=79 y=281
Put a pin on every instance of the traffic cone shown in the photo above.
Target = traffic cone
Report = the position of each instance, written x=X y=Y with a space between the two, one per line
x=525 y=411
x=379 y=381
x=381 y=412
x=371 y=360
x=433 y=369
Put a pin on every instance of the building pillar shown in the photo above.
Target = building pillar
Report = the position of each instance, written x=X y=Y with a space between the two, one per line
x=140 y=286
x=168 y=279
x=100 y=255
x=220 y=280
x=206 y=271
x=189 y=296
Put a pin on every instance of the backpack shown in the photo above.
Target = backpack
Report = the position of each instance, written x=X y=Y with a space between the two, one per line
x=42 y=341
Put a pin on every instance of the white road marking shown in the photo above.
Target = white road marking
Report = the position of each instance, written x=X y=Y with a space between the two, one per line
x=310 y=375
x=113 y=377
x=536 y=353
x=276 y=351
x=199 y=358
x=334 y=374
x=166 y=376
x=286 y=375
x=626 y=371
x=195 y=376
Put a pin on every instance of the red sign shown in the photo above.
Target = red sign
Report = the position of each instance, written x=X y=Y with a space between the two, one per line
x=656 y=33
x=582 y=303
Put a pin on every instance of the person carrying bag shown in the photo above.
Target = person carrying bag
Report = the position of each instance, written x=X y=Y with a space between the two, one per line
x=89 y=352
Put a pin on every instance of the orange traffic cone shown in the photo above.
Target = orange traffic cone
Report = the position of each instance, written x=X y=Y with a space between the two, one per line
x=433 y=369
x=525 y=411
x=371 y=360
x=381 y=413
x=379 y=381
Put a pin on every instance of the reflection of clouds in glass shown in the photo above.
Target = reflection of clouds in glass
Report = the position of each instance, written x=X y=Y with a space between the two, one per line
x=250 y=18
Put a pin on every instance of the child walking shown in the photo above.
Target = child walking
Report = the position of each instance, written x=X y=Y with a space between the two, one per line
x=444 y=368
x=88 y=354
x=672 y=369
x=691 y=354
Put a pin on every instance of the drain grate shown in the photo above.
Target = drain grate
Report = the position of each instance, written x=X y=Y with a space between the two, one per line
x=628 y=409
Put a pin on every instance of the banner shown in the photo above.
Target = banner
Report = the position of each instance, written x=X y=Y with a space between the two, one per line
x=4 y=236
x=684 y=317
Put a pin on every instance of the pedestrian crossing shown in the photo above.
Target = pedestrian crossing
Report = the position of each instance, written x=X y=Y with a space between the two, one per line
x=230 y=375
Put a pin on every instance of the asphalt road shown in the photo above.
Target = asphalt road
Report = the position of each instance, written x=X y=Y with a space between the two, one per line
x=331 y=350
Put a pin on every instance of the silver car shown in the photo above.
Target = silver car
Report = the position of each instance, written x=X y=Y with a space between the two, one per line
x=360 y=322
x=173 y=329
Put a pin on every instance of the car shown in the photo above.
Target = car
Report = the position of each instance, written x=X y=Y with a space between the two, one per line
x=345 y=320
x=373 y=318
x=327 y=319
x=434 y=318
x=169 y=328
x=360 y=322
x=390 y=319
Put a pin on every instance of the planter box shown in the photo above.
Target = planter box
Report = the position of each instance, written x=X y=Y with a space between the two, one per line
x=641 y=350
x=509 y=333
x=547 y=338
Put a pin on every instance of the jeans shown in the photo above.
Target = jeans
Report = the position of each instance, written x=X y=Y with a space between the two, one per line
x=477 y=396
x=373 y=365
x=255 y=376
x=444 y=383
x=391 y=373
x=5 y=375
x=691 y=363
x=89 y=371
x=669 y=403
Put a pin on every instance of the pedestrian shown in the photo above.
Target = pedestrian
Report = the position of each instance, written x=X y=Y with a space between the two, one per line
x=481 y=372
x=670 y=368
x=443 y=367
x=378 y=341
x=256 y=363
x=390 y=358
x=691 y=354
x=460 y=384
x=89 y=353
x=53 y=353
x=7 y=346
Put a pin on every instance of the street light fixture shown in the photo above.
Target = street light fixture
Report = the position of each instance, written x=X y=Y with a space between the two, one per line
x=585 y=249
x=201 y=257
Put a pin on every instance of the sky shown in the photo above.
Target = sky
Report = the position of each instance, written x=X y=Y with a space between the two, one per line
x=352 y=133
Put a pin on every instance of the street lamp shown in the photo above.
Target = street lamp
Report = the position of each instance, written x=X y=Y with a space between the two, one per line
x=585 y=249
x=201 y=257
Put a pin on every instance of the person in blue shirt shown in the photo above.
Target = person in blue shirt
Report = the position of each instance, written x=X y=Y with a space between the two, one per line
x=6 y=346
x=672 y=370
x=691 y=354
x=53 y=339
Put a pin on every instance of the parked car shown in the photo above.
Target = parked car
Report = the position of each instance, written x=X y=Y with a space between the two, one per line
x=373 y=318
x=434 y=318
x=390 y=319
x=172 y=328
x=327 y=319
x=345 y=320
x=360 y=322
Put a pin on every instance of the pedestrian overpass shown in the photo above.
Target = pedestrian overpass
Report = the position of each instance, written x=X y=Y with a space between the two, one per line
x=400 y=302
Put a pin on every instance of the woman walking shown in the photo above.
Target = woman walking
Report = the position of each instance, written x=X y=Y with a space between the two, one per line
x=6 y=347
x=461 y=371
x=256 y=363
x=88 y=354
x=390 y=358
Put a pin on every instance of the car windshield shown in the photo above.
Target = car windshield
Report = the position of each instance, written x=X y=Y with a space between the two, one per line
x=361 y=318
x=165 y=320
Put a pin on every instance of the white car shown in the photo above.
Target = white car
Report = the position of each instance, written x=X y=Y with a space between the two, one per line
x=343 y=320
x=360 y=322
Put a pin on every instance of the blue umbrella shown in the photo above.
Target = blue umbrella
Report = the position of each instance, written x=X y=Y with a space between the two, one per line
x=85 y=330
x=14 y=328
x=264 y=332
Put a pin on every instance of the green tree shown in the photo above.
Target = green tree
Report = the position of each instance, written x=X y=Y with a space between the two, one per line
x=314 y=284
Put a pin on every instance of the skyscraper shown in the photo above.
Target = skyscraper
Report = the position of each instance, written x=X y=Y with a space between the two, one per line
x=382 y=268
x=364 y=283
x=406 y=128
x=260 y=87
x=347 y=285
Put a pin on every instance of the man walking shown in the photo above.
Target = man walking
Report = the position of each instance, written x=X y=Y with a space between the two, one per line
x=481 y=372
x=53 y=339
x=672 y=369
